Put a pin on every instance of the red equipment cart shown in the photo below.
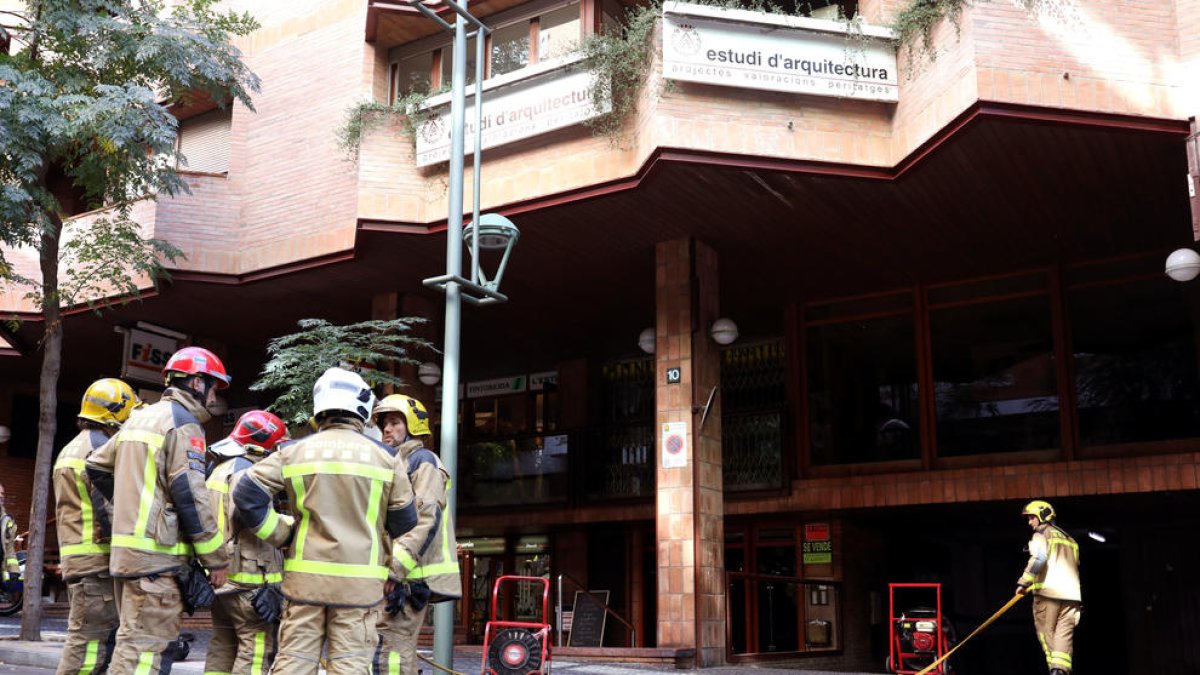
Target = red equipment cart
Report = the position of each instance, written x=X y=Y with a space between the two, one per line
x=916 y=635
x=517 y=647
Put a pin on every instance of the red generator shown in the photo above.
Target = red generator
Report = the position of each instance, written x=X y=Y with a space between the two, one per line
x=517 y=647
x=918 y=633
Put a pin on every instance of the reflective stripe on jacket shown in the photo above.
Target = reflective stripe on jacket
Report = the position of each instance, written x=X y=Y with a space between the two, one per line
x=153 y=471
x=348 y=493
x=8 y=534
x=82 y=515
x=1053 y=568
x=429 y=551
x=252 y=561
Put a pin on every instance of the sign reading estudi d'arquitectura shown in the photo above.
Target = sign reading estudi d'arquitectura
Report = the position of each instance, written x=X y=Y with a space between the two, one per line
x=703 y=44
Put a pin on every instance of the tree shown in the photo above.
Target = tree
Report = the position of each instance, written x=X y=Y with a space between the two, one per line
x=297 y=360
x=85 y=124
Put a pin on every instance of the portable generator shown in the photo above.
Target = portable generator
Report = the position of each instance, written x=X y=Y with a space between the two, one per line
x=919 y=635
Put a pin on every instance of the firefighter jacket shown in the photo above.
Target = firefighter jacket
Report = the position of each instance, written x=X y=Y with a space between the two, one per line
x=252 y=561
x=1053 y=568
x=82 y=514
x=153 y=472
x=349 y=493
x=429 y=551
x=8 y=536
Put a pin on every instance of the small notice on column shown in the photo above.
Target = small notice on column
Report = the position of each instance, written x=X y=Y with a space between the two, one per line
x=674 y=445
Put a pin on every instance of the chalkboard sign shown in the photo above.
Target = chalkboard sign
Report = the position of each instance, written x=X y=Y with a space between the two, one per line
x=587 y=624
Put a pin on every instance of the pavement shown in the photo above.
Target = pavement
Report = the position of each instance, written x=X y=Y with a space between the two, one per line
x=45 y=655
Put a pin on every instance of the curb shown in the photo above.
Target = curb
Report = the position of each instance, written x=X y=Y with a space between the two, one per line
x=36 y=657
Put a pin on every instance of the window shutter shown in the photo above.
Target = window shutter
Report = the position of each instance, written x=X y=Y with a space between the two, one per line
x=204 y=141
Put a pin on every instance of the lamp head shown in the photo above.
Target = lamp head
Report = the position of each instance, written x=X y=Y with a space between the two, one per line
x=646 y=340
x=495 y=232
x=1183 y=265
x=724 y=331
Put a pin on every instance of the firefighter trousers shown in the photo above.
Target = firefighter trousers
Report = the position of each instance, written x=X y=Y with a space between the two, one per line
x=91 y=626
x=397 y=653
x=151 y=613
x=348 y=632
x=242 y=643
x=1055 y=622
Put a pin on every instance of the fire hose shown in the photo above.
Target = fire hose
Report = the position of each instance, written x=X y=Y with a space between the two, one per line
x=1007 y=606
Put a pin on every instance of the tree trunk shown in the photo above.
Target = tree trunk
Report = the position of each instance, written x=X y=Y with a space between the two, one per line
x=31 y=616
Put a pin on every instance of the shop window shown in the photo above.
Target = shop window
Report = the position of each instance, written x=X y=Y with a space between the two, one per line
x=203 y=142
x=862 y=380
x=1134 y=355
x=513 y=453
x=995 y=378
x=753 y=397
x=621 y=461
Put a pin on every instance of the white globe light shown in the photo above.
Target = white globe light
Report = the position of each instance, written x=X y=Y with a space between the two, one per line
x=724 y=331
x=429 y=373
x=646 y=340
x=1183 y=265
x=5 y=434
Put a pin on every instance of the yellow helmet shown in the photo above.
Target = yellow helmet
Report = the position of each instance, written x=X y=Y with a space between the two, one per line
x=1039 y=509
x=108 y=402
x=416 y=417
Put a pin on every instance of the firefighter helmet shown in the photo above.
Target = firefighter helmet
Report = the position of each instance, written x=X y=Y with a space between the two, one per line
x=340 y=389
x=258 y=430
x=416 y=417
x=1040 y=510
x=108 y=402
x=197 y=361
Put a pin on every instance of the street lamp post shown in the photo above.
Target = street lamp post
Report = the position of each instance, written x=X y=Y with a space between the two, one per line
x=488 y=232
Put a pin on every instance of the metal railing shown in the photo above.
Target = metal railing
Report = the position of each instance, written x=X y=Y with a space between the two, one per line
x=558 y=613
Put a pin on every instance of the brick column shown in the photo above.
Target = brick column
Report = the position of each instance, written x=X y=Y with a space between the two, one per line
x=690 y=503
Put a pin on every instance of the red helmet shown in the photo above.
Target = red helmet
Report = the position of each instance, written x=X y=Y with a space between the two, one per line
x=260 y=429
x=197 y=361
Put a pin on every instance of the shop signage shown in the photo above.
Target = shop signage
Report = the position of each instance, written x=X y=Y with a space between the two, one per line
x=754 y=50
x=539 y=381
x=145 y=355
x=817 y=548
x=526 y=107
x=496 y=387
x=674 y=445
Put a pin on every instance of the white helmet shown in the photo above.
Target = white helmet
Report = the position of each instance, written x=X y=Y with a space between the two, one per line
x=340 y=389
x=227 y=448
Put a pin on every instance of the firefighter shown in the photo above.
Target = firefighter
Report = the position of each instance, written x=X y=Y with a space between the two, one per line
x=336 y=561
x=1052 y=575
x=424 y=568
x=11 y=568
x=153 y=473
x=83 y=522
x=245 y=616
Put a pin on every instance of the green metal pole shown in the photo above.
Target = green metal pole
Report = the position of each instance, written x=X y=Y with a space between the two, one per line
x=443 y=613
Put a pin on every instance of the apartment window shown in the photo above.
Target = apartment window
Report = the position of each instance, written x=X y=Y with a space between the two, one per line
x=994 y=374
x=203 y=142
x=518 y=40
x=1134 y=356
x=862 y=380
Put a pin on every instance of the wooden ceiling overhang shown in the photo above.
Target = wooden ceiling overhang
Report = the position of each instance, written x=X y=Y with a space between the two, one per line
x=1002 y=188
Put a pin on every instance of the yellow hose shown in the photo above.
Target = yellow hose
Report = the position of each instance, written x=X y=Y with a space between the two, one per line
x=1007 y=606
x=439 y=666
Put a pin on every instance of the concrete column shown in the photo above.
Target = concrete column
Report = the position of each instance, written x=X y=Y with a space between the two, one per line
x=690 y=502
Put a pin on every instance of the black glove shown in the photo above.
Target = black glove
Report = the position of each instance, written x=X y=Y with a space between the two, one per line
x=268 y=603
x=418 y=595
x=196 y=591
x=397 y=598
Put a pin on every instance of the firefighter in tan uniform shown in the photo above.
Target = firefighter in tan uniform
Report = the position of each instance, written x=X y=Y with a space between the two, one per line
x=243 y=640
x=83 y=521
x=349 y=494
x=10 y=568
x=424 y=567
x=1052 y=575
x=153 y=472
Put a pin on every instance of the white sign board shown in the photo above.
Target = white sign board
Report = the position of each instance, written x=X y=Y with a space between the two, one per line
x=496 y=387
x=753 y=50
x=674 y=445
x=525 y=108
x=145 y=355
x=539 y=381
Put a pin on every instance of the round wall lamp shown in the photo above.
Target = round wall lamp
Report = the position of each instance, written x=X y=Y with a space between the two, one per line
x=646 y=340
x=1183 y=265
x=724 y=331
x=429 y=373
x=5 y=434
